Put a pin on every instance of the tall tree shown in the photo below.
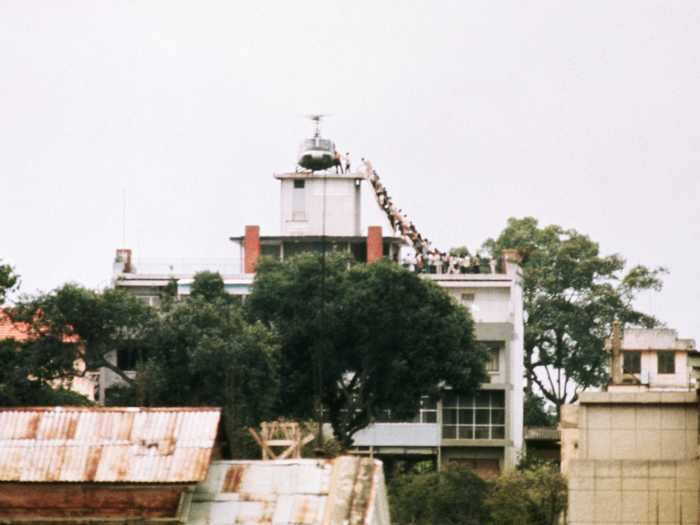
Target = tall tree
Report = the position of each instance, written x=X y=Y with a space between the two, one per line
x=571 y=296
x=366 y=339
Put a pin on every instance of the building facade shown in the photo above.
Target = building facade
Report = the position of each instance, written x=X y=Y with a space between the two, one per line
x=321 y=210
x=653 y=359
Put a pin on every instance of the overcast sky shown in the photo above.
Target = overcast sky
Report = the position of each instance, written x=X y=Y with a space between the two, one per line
x=581 y=113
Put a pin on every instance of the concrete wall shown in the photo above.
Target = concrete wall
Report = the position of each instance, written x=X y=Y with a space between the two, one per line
x=632 y=458
x=342 y=206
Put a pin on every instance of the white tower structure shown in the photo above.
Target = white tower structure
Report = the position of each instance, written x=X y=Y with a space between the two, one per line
x=306 y=197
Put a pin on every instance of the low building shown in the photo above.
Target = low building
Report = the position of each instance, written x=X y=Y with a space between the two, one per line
x=631 y=453
x=69 y=464
x=632 y=458
x=654 y=359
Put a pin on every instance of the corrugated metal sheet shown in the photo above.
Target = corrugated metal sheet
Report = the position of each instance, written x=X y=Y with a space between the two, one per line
x=346 y=490
x=138 y=445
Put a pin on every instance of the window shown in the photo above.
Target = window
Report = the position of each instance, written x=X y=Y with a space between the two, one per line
x=482 y=416
x=632 y=362
x=467 y=299
x=127 y=359
x=298 y=201
x=666 y=362
x=494 y=350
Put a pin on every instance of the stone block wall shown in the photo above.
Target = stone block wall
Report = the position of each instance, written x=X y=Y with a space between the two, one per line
x=632 y=458
x=633 y=492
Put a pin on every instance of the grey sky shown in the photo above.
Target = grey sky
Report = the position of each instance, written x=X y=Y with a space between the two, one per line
x=581 y=113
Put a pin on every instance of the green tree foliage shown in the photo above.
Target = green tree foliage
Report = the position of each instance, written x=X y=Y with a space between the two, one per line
x=208 y=286
x=537 y=414
x=454 y=496
x=370 y=338
x=192 y=353
x=535 y=496
x=572 y=294
x=28 y=370
x=8 y=281
x=205 y=353
x=89 y=325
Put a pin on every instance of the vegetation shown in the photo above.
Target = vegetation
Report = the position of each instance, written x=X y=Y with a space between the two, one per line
x=8 y=281
x=369 y=339
x=454 y=496
x=572 y=294
x=537 y=413
x=532 y=496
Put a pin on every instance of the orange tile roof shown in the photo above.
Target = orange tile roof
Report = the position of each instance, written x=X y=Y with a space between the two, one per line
x=10 y=330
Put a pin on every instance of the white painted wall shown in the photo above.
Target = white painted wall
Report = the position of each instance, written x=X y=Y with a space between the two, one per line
x=343 y=203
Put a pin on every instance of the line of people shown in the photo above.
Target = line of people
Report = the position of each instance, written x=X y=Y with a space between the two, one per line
x=426 y=258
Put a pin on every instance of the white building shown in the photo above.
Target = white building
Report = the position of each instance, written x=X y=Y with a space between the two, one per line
x=320 y=209
x=653 y=359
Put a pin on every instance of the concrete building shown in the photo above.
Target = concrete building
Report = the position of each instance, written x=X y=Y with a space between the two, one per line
x=653 y=359
x=632 y=458
x=323 y=210
x=631 y=453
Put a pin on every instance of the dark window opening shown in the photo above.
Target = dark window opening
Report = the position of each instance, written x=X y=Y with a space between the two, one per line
x=298 y=183
x=127 y=359
x=666 y=362
x=632 y=362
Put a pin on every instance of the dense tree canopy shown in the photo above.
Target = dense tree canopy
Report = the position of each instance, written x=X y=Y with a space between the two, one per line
x=572 y=294
x=368 y=339
x=203 y=352
x=199 y=351
x=104 y=322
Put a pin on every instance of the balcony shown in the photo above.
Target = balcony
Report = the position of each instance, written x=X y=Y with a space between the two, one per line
x=404 y=435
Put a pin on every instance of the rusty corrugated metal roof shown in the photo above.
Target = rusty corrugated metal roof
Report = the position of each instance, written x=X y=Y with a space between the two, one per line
x=131 y=445
x=347 y=489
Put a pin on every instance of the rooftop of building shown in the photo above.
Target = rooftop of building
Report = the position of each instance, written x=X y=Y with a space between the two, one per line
x=325 y=174
x=636 y=338
x=106 y=445
x=12 y=330
x=346 y=489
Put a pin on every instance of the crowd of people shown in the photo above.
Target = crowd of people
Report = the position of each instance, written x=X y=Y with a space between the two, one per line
x=426 y=258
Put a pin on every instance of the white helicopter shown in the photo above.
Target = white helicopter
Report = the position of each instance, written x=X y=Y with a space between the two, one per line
x=317 y=153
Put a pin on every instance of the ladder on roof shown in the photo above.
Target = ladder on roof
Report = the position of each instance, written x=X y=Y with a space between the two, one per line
x=399 y=223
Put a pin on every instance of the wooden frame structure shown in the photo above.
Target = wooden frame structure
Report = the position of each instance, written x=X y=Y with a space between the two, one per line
x=280 y=434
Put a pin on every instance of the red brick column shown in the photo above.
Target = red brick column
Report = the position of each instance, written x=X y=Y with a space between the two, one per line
x=251 y=248
x=375 y=244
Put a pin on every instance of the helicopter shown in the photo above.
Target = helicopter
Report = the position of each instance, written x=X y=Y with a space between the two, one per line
x=317 y=153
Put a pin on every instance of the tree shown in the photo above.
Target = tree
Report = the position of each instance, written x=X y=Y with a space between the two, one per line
x=366 y=340
x=33 y=374
x=571 y=296
x=453 y=496
x=534 y=496
x=205 y=353
x=208 y=286
x=92 y=326
x=8 y=281
x=537 y=414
